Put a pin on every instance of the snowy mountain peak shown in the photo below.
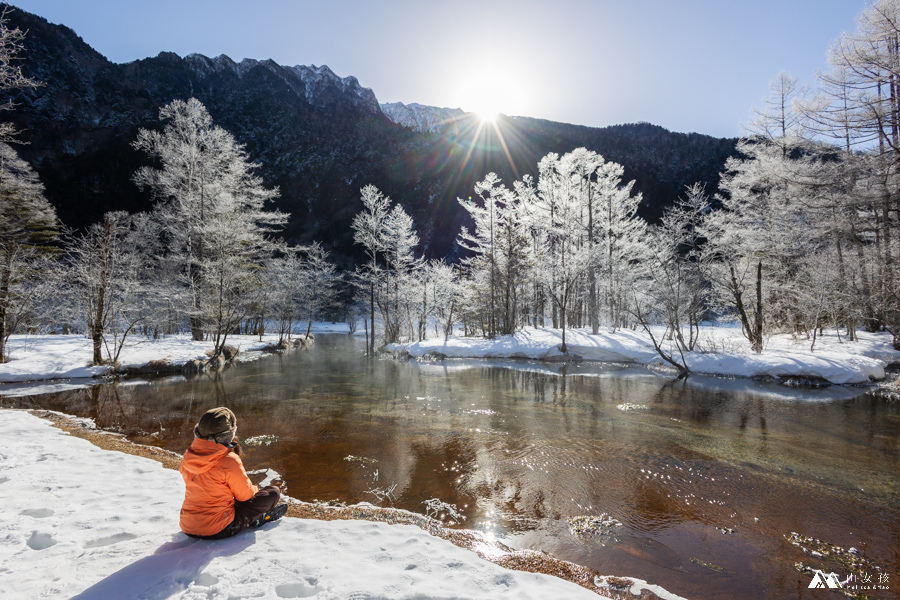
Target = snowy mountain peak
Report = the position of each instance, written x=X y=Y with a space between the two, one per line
x=312 y=82
x=423 y=118
x=318 y=79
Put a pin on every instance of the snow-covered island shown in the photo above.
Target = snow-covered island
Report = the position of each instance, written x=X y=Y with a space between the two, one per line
x=721 y=351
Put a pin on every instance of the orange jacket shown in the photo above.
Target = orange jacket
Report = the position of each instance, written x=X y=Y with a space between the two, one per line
x=214 y=477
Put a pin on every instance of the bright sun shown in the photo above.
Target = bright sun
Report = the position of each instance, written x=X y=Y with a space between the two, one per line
x=487 y=115
x=488 y=93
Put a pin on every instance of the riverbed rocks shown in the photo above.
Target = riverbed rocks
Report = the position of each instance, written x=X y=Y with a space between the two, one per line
x=162 y=367
x=594 y=529
x=284 y=345
x=227 y=355
x=230 y=352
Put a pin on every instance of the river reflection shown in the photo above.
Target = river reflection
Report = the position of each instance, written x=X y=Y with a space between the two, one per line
x=701 y=473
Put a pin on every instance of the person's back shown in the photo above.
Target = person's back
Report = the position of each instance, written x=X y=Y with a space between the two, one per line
x=219 y=500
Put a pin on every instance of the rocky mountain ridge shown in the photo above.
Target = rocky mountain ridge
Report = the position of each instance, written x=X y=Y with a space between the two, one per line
x=421 y=118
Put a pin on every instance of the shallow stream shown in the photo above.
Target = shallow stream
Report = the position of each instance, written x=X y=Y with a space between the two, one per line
x=706 y=476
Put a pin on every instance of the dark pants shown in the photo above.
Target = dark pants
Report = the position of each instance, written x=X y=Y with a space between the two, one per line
x=248 y=511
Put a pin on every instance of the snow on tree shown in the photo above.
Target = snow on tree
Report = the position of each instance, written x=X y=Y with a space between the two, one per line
x=107 y=275
x=675 y=267
x=368 y=230
x=11 y=76
x=445 y=297
x=317 y=283
x=28 y=225
x=401 y=264
x=388 y=236
x=565 y=257
x=499 y=245
x=589 y=226
x=285 y=279
x=212 y=211
x=859 y=106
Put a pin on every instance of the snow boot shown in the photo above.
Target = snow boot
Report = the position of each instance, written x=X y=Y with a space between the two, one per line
x=273 y=515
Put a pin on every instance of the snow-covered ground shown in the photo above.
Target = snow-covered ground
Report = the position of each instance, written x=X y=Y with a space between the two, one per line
x=40 y=357
x=81 y=522
x=726 y=352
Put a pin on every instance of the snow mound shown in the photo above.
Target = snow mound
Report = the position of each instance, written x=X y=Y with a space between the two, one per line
x=835 y=360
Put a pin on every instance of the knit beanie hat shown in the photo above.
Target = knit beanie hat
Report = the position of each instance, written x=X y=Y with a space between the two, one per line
x=218 y=425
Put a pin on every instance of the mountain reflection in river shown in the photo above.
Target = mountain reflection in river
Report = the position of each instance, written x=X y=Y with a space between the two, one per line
x=706 y=476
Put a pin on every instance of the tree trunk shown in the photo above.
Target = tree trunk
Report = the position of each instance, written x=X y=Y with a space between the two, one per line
x=749 y=330
x=563 y=348
x=758 y=314
x=5 y=279
x=372 y=315
x=100 y=307
x=592 y=301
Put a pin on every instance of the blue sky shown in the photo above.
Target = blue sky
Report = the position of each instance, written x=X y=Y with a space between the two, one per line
x=687 y=65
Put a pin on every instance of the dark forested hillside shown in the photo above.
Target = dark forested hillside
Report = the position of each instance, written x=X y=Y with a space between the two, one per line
x=317 y=136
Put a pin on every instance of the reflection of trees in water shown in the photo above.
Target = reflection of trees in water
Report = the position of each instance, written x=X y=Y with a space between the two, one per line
x=156 y=412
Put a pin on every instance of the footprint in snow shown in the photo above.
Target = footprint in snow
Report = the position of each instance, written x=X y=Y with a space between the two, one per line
x=109 y=540
x=38 y=513
x=364 y=596
x=40 y=541
x=299 y=589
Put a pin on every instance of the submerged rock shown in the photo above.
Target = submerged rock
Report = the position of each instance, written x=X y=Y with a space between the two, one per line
x=230 y=352
x=591 y=529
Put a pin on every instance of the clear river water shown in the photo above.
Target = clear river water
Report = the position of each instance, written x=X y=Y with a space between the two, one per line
x=707 y=476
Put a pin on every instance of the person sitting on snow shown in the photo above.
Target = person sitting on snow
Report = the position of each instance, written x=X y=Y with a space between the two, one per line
x=219 y=500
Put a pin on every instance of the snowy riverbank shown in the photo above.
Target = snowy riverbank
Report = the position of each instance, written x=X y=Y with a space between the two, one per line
x=44 y=357
x=81 y=522
x=726 y=352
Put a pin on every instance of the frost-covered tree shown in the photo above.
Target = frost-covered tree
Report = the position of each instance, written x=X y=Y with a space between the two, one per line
x=592 y=176
x=11 y=76
x=388 y=236
x=777 y=119
x=859 y=106
x=445 y=295
x=674 y=269
x=500 y=253
x=317 y=285
x=565 y=256
x=28 y=225
x=231 y=271
x=368 y=231
x=107 y=274
x=285 y=279
x=588 y=224
x=401 y=264
x=212 y=210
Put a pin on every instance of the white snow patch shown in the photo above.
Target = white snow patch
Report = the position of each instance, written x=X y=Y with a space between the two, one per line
x=835 y=359
x=68 y=357
x=113 y=533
